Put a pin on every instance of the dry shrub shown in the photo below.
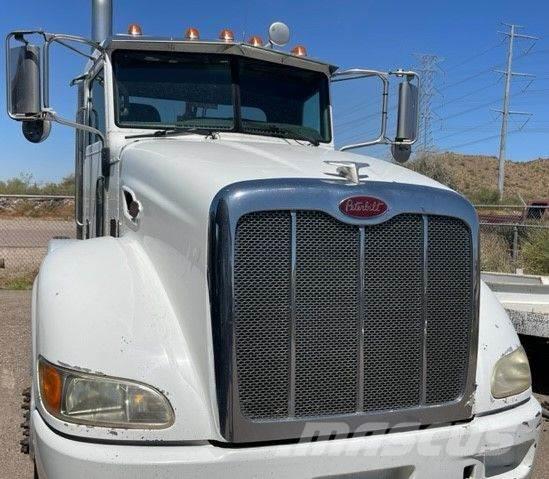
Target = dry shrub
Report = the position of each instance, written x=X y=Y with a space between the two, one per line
x=495 y=253
x=434 y=167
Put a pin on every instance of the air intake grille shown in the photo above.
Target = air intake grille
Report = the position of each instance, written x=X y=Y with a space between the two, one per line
x=333 y=319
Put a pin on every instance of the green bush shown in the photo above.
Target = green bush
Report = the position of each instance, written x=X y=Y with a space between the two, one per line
x=535 y=252
x=26 y=185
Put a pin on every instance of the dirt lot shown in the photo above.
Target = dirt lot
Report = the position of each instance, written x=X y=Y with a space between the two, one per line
x=14 y=376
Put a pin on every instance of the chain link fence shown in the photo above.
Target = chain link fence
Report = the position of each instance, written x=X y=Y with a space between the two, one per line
x=27 y=223
x=514 y=238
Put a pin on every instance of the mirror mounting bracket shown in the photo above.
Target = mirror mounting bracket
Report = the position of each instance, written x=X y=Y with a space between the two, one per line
x=382 y=138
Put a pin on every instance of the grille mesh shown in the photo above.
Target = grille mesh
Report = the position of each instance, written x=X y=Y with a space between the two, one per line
x=393 y=313
x=262 y=313
x=326 y=315
x=303 y=359
x=449 y=269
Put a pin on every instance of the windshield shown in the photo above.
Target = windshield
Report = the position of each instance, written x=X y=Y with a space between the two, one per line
x=219 y=92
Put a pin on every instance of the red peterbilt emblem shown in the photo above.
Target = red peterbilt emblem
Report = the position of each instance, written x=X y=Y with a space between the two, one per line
x=363 y=206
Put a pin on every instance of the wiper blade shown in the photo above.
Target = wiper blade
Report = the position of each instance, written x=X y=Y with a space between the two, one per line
x=292 y=135
x=175 y=132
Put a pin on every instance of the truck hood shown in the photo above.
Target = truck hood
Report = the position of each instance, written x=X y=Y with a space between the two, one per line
x=209 y=165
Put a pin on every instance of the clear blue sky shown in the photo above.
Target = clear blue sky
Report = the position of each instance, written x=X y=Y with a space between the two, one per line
x=366 y=33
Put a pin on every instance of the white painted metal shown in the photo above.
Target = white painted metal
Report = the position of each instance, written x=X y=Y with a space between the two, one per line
x=431 y=453
x=526 y=298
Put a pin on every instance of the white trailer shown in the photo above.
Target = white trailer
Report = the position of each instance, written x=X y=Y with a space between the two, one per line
x=246 y=301
x=526 y=299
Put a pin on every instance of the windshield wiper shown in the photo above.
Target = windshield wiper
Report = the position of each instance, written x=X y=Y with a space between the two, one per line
x=175 y=132
x=291 y=134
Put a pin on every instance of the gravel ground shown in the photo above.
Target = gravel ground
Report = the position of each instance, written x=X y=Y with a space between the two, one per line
x=14 y=376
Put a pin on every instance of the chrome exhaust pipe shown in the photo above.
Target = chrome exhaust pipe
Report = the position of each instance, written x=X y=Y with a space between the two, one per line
x=101 y=20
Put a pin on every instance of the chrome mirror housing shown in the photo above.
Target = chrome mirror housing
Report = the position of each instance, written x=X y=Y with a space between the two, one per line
x=24 y=82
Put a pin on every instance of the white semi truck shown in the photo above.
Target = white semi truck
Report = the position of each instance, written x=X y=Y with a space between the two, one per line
x=246 y=301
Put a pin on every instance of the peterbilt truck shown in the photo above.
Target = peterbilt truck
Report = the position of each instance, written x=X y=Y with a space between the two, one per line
x=244 y=300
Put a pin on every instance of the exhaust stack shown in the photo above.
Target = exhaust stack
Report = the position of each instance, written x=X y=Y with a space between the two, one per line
x=101 y=20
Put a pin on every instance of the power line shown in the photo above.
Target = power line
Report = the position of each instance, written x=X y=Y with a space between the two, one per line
x=469 y=110
x=466 y=130
x=466 y=95
x=473 y=142
x=473 y=57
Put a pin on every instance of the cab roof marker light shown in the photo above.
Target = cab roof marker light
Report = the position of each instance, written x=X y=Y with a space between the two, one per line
x=135 y=29
x=299 y=51
x=255 y=41
x=192 y=34
x=226 y=35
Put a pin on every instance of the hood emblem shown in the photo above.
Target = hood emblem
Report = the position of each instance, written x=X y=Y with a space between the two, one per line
x=349 y=170
x=363 y=206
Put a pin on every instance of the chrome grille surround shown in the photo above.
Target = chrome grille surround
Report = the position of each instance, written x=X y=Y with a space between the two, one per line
x=262 y=398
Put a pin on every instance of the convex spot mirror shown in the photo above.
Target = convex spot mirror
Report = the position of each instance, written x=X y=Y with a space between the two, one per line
x=36 y=131
x=24 y=82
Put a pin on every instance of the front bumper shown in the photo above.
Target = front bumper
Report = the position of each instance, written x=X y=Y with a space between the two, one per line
x=500 y=445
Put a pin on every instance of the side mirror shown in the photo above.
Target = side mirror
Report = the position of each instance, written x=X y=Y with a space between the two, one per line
x=408 y=107
x=407 y=118
x=407 y=121
x=24 y=82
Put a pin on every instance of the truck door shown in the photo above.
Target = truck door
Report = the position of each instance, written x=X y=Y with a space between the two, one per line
x=93 y=183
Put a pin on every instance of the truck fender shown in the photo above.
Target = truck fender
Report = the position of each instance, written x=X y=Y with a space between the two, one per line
x=100 y=307
x=497 y=338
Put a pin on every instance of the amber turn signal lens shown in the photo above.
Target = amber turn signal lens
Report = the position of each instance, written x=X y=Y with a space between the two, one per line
x=135 y=29
x=255 y=41
x=192 y=34
x=299 y=50
x=51 y=387
x=226 y=35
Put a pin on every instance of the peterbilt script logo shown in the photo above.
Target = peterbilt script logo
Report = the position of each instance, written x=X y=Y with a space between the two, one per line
x=363 y=206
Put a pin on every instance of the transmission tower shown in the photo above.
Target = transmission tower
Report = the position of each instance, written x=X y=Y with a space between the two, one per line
x=428 y=70
x=506 y=112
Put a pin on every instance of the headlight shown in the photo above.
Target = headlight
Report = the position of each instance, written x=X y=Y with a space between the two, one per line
x=511 y=375
x=98 y=400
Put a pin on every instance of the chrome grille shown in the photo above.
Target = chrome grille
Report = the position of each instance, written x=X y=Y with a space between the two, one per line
x=332 y=319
